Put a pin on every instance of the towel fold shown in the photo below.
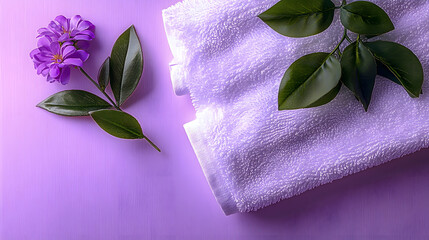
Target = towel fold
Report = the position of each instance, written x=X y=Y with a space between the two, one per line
x=253 y=155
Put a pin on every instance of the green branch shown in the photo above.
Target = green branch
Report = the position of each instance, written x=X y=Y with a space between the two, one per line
x=99 y=88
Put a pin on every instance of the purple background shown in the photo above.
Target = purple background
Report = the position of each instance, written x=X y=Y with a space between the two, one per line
x=64 y=178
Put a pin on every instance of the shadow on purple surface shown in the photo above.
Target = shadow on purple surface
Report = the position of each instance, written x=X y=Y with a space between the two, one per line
x=368 y=189
x=91 y=66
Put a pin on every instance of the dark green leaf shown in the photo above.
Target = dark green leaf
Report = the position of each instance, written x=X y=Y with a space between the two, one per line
x=369 y=36
x=126 y=65
x=103 y=74
x=299 y=18
x=359 y=71
x=398 y=64
x=365 y=18
x=311 y=81
x=382 y=70
x=73 y=103
x=328 y=97
x=118 y=124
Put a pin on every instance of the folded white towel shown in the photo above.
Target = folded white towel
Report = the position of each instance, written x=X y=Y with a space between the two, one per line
x=253 y=155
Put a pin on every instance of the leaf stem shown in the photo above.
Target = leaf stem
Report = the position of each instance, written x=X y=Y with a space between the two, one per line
x=114 y=104
x=339 y=53
x=151 y=143
x=348 y=39
x=99 y=88
x=341 y=41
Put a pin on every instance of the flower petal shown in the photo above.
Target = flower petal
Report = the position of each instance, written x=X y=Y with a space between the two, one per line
x=82 y=37
x=67 y=44
x=44 y=53
x=54 y=71
x=55 y=48
x=87 y=32
x=34 y=52
x=51 y=79
x=65 y=76
x=74 y=33
x=81 y=54
x=64 y=22
x=74 y=22
x=42 y=58
x=42 y=30
x=54 y=27
x=67 y=51
x=46 y=32
x=73 y=62
x=64 y=37
x=44 y=42
x=83 y=25
x=45 y=72
x=41 y=67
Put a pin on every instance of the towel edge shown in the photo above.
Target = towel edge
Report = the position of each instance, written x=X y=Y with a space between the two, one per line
x=217 y=183
x=178 y=77
x=177 y=65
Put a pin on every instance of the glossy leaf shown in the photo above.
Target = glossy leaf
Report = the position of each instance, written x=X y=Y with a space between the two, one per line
x=328 y=97
x=73 y=103
x=126 y=65
x=398 y=64
x=118 y=124
x=359 y=71
x=311 y=81
x=298 y=18
x=365 y=18
x=382 y=70
x=103 y=74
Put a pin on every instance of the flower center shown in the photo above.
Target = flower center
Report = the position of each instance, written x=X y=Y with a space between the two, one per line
x=57 y=58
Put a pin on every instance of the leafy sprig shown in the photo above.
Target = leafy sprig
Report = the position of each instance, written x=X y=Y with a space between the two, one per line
x=315 y=79
x=122 y=70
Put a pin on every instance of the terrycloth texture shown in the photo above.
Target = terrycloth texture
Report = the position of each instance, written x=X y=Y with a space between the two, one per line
x=253 y=155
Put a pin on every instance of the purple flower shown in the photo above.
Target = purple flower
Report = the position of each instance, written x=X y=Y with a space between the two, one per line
x=64 y=29
x=53 y=59
x=60 y=47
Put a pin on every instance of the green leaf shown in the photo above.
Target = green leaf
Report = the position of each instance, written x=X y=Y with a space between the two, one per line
x=369 y=36
x=359 y=71
x=103 y=74
x=382 y=70
x=328 y=97
x=118 y=124
x=126 y=65
x=311 y=81
x=365 y=18
x=299 y=18
x=73 y=103
x=398 y=64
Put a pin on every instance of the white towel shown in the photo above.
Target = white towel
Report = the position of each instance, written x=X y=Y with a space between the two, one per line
x=253 y=155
